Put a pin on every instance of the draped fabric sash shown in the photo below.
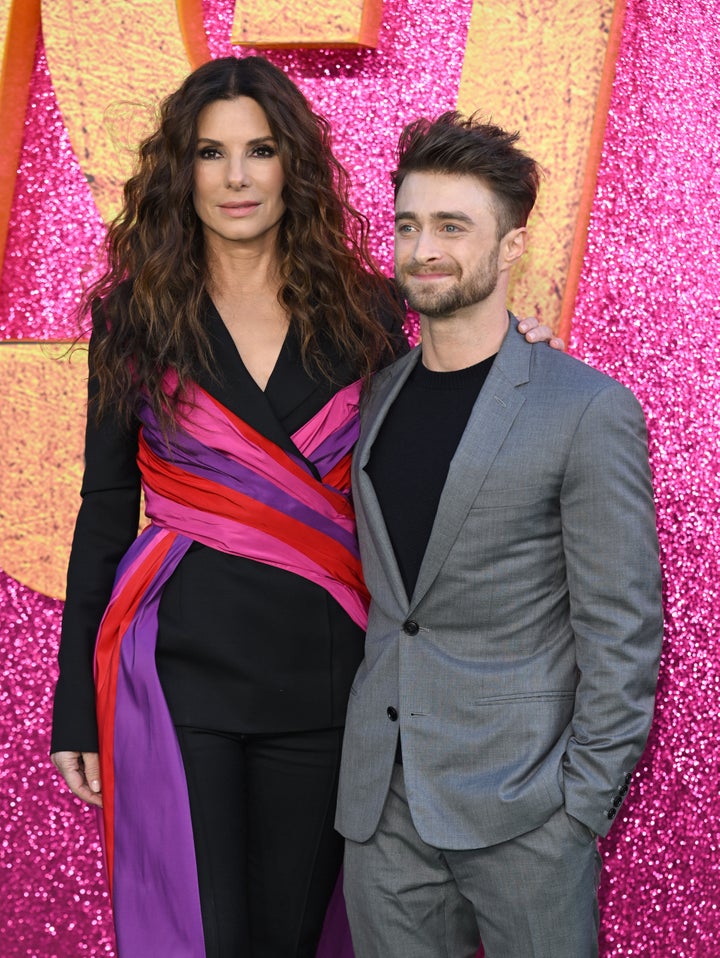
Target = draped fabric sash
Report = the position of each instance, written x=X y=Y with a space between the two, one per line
x=217 y=481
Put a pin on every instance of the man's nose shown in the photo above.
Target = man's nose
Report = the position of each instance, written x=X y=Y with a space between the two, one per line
x=426 y=247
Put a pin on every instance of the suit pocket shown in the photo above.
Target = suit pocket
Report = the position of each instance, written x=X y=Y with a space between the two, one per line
x=582 y=832
x=512 y=497
x=551 y=695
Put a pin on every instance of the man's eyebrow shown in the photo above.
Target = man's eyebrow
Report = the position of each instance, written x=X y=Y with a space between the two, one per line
x=451 y=215
x=437 y=216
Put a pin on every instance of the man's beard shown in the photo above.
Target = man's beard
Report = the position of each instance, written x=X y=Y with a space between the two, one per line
x=437 y=303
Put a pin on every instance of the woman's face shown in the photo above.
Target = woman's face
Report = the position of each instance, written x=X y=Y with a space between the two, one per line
x=238 y=176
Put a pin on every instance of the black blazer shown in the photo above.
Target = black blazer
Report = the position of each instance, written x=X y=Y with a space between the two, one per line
x=242 y=646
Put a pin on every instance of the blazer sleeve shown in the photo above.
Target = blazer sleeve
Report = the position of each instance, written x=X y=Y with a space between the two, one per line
x=106 y=525
x=613 y=573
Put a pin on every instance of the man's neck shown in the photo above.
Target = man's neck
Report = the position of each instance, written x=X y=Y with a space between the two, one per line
x=464 y=339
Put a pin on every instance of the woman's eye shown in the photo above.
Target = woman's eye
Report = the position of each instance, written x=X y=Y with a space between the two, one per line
x=264 y=151
x=208 y=153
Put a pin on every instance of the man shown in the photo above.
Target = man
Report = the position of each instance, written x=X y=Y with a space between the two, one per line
x=508 y=540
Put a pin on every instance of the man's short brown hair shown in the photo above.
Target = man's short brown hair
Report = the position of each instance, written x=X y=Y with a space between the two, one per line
x=457 y=145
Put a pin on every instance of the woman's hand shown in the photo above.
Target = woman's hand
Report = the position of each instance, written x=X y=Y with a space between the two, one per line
x=535 y=332
x=81 y=771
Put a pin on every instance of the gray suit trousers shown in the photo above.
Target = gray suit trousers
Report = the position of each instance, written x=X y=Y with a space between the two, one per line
x=534 y=896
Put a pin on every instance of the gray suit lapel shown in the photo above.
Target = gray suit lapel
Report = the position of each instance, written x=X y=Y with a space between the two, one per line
x=493 y=414
x=382 y=395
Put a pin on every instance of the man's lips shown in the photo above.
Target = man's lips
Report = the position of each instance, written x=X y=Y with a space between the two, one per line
x=428 y=277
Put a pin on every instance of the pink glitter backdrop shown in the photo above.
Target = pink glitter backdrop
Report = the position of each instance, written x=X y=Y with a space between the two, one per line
x=647 y=312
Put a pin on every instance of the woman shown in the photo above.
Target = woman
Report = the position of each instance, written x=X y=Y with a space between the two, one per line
x=232 y=332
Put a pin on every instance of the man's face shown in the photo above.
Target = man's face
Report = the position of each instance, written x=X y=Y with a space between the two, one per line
x=446 y=245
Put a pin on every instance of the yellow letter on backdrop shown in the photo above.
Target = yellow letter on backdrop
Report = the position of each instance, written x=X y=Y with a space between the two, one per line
x=110 y=62
x=308 y=23
x=539 y=66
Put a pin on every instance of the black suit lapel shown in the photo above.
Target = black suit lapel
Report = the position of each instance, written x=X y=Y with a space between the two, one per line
x=290 y=399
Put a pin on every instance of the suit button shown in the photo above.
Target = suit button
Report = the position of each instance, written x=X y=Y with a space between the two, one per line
x=612 y=812
x=617 y=801
x=623 y=790
x=411 y=627
x=392 y=713
x=628 y=778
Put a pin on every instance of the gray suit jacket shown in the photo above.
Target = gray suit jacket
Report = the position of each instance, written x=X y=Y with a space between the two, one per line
x=522 y=670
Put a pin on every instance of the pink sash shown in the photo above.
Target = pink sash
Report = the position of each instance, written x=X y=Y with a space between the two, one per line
x=217 y=481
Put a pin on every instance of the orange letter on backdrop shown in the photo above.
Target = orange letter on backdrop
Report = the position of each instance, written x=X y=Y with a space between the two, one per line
x=19 y=27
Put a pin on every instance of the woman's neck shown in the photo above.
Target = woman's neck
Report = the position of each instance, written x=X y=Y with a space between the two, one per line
x=237 y=269
x=243 y=272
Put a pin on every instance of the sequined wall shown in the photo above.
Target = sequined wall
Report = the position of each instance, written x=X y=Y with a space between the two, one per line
x=647 y=312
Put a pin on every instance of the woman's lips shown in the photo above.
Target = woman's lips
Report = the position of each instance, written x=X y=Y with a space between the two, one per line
x=238 y=209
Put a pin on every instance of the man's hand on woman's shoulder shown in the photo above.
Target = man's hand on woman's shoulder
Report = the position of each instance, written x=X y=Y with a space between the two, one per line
x=536 y=332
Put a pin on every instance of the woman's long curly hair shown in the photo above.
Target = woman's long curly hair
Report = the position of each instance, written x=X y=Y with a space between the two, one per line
x=153 y=291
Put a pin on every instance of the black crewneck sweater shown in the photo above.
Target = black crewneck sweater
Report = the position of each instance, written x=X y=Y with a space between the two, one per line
x=412 y=453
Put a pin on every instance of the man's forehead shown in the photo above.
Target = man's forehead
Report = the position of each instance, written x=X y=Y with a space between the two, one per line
x=439 y=194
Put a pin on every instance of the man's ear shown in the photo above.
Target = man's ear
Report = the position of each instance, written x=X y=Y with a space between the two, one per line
x=512 y=246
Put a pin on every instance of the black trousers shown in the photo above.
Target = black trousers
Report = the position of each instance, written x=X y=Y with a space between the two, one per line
x=268 y=857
